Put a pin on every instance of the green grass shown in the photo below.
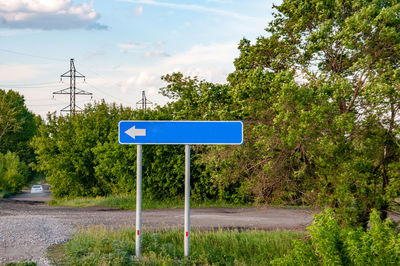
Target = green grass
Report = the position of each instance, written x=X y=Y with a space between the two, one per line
x=21 y=263
x=4 y=194
x=98 y=246
x=127 y=202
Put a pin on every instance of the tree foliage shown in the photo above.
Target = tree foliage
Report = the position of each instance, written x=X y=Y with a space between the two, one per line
x=17 y=125
x=13 y=172
x=80 y=155
x=329 y=244
x=319 y=97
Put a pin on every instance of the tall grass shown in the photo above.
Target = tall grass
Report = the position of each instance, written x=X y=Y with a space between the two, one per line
x=98 y=246
x=128 y=202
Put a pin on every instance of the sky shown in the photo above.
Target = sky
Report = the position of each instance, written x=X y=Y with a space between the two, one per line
x=122 y=47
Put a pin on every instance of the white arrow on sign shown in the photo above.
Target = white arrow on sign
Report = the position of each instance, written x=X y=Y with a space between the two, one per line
x=134 y=132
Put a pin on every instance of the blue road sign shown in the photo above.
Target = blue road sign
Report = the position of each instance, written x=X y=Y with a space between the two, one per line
x=180 y=132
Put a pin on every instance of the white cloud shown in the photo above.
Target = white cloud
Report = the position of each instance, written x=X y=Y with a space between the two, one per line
x=17 y=72
x=205 y=55
x=129 y=46
x=38 y=5
x=197 y=8
x=138 y=11
x=157 y=53
x=123 y=84
x=210 y=62
x=142 y=80
x=47 y=15
x=36 y=82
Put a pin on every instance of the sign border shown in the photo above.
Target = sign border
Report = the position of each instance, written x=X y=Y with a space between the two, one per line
x=178 y=121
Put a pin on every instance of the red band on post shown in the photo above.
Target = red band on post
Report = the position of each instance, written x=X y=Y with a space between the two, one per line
x=138 y=232
x=187 y=233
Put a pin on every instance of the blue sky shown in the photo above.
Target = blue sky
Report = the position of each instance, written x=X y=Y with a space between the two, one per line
x=121 y=46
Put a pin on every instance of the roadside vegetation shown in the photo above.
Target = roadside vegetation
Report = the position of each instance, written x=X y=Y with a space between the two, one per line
x=13 y=172
x=5 y=194
x=96 y=246
x=331 y=244
x=326 y=243
x=17 y=127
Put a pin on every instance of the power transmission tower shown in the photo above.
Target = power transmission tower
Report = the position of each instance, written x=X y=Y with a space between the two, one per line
x=144 y=102
x=72 y=74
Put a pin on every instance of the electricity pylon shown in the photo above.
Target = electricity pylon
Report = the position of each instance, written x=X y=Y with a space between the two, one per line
x=72 y=74
x=144 y=102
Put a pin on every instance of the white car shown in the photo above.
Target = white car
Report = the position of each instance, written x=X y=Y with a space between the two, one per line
x=37 y=189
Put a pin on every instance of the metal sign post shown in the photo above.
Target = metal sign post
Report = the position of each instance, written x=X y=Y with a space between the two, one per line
x=187 y=200
x=175 y=132
x=138 y=198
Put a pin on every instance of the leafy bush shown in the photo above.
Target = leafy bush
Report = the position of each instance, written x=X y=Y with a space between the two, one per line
x=13 y=172
x=5 y=194
x=81 y=157
x=329 y=244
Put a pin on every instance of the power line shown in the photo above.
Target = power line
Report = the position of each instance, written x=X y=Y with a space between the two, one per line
x=72 y=90
x=72 y=74
x=111 y=85
x=30 y=55
x=28 y=84
x=58 y=103
x=37 y=100
x=52 y=104
x=28 y=87
x=94 y=87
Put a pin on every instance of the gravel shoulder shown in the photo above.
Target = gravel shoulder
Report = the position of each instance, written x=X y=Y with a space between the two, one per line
x=28 y=226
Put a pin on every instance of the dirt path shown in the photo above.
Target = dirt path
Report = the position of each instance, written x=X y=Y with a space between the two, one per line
x=28 y=226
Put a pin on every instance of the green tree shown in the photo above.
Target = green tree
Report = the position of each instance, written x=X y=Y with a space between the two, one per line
x=81 y=156
x=319 y=99
x=17 y=125
x=349 y=51
x=194 y=99
x=13 y=172
x=320 y=95
x=65 y=148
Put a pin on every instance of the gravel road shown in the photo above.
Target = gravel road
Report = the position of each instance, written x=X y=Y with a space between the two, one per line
x=28 y=226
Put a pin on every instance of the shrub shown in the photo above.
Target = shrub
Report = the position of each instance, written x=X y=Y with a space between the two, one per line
x=329 y=244
x=81 y=157
x=13 y=172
